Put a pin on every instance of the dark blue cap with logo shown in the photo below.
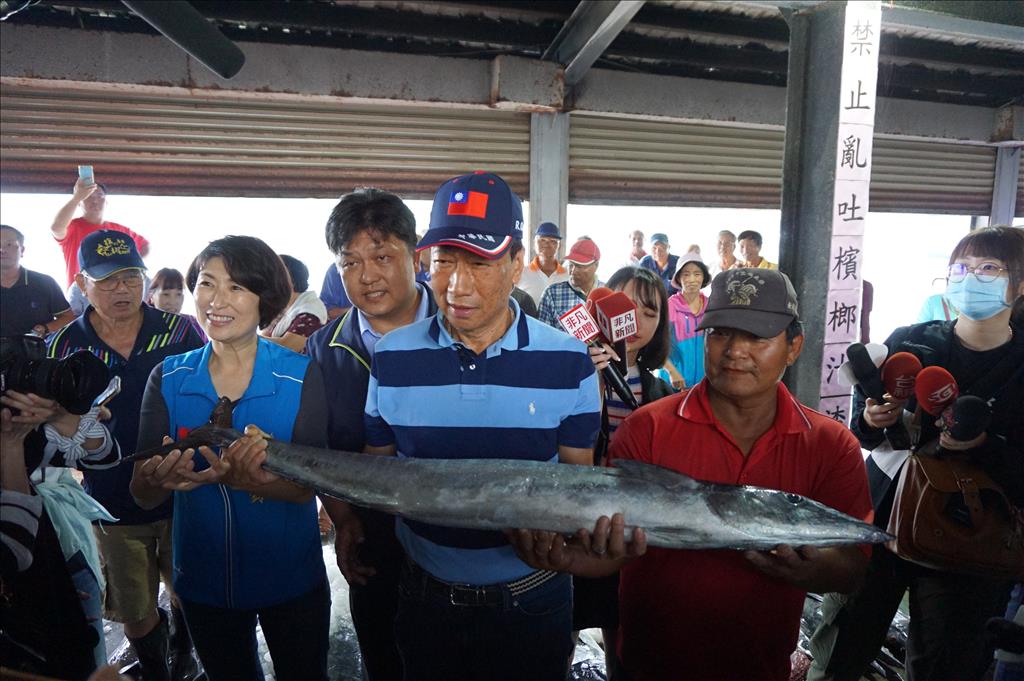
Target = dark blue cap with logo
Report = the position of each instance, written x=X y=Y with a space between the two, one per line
x=107 y=251
x=548 y=229
x=477 y=212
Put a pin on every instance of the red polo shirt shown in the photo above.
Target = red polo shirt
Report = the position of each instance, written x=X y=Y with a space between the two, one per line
x=710 y=615
x=78 y=229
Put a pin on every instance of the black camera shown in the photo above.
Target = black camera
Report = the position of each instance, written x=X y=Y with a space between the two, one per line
x=74 y=382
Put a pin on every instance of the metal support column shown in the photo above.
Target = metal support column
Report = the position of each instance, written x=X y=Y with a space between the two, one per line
x=549 y=171
x=1004 y=189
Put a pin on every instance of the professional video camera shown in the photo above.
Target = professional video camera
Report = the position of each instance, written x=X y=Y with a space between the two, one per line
x=74 y=381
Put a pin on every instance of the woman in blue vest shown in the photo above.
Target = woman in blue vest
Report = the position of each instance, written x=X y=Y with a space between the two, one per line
x=246 y=543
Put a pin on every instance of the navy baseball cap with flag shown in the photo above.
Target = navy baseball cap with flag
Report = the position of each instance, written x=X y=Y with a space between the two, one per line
x=477 y=212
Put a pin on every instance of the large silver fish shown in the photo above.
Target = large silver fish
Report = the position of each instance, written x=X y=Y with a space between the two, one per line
x=674 y=510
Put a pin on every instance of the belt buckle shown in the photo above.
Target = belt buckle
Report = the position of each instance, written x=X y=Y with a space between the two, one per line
x=467 y=596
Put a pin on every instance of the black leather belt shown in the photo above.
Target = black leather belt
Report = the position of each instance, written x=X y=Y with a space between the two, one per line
x=471 y=595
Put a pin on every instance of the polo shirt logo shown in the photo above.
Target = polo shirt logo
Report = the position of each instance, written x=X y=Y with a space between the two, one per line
x=532 y=409
x=743 y=291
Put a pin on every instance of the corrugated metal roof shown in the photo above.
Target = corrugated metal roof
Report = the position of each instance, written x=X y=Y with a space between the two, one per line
x=739 y=41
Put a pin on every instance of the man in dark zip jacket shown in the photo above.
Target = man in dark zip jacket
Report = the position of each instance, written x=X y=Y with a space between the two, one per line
x=372 y=234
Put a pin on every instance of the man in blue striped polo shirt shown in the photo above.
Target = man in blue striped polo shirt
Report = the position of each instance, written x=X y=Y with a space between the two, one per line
x=480 y=380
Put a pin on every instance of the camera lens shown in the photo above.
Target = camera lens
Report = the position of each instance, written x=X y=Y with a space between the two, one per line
x=76 y=380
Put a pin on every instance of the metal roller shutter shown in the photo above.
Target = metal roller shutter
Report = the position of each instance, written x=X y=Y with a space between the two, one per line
x=614 y=160
x=931 y=177
x=176 y=143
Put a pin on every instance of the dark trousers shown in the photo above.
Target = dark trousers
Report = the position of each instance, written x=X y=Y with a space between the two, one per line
x=521 y=637
x=374 y=607
x=297 y=633
x=947 y=616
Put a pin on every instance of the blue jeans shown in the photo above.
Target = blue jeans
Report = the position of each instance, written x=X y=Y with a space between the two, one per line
x=296 y=632
x=1012 y=671
x=528 y=636
x=86 y=583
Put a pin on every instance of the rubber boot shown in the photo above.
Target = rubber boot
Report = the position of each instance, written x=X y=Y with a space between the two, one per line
x=151 y=650
x=183 y=663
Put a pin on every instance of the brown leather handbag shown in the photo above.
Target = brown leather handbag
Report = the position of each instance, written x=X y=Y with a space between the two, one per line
x=950 y=515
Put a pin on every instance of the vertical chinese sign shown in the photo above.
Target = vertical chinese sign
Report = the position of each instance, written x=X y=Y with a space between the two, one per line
x=850 y=201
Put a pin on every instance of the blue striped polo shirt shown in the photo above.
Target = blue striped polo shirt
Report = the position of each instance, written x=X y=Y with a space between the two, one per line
x=532 y=391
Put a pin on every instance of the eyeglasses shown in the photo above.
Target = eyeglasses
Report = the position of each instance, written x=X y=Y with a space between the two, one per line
x=129 y=279
x=985 y=272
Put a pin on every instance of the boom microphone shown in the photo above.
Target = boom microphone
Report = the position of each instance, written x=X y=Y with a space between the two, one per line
x=899 y=375
x=935 y=389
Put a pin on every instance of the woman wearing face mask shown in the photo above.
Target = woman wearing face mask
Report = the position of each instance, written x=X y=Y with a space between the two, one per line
x=984 y=351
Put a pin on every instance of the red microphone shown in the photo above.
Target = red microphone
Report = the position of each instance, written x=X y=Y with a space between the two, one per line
x=579 y=322
x=935 y=389
x=597 y=294
x=616 y=315
x=899 y=374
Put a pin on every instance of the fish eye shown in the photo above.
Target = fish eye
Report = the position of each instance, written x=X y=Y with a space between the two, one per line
x=794 y=498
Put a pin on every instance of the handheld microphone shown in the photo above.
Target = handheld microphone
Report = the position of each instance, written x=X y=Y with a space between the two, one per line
x=966 y=418
x=865 y=372
x=580 y=323
x=899 y=374
x=935 y=389
x=616 y=317
x=861 y=370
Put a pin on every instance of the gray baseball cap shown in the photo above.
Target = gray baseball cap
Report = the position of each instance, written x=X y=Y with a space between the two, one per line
x=759 y=301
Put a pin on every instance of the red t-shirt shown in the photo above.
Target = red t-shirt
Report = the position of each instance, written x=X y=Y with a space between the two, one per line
x=78 y=229
x=710 y=615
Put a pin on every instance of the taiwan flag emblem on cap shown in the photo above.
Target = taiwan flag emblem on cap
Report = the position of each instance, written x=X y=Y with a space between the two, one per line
x=469 y=203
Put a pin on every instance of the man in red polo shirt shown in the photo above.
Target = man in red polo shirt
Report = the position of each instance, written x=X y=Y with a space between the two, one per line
x=70 y=233
x=730 y=615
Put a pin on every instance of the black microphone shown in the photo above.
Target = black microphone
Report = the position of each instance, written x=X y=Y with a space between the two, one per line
x=869 y=378
x=865 y=371
x=967 y=418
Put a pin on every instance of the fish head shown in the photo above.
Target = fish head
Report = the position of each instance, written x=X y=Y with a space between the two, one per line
x=776 y=517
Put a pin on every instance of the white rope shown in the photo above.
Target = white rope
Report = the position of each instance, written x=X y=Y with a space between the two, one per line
x=89 y=428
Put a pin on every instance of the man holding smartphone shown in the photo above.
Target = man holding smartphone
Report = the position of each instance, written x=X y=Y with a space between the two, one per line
x=69 y=233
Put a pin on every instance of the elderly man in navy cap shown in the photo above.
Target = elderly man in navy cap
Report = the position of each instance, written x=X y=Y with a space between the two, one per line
x=131 y=338
x=544 y=269
x=660 y=261
x=462 y=384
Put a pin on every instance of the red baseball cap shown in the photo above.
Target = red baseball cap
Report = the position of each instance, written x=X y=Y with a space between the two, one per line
x=584 y=252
